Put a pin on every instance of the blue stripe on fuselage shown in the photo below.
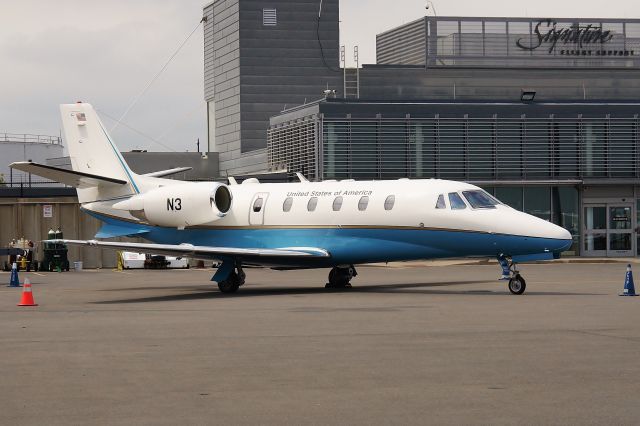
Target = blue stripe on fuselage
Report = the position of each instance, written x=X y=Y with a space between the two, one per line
x=357 y=245
x=120 y=159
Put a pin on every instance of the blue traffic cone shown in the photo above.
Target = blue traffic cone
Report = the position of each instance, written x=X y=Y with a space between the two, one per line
x=629 y=288
x=14 y=281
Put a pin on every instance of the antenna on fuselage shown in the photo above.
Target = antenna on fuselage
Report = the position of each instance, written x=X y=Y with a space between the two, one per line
x=232 y=180
x=301 y=177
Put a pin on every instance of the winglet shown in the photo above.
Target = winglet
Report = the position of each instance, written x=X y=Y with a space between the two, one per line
x=301 y=177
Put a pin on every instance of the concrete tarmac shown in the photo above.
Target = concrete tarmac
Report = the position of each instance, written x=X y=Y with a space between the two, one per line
x=412 y=345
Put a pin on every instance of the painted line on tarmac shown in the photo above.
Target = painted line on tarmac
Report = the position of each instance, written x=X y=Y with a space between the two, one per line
x=39 y=274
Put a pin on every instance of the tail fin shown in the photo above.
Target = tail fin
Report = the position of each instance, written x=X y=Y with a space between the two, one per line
x=92 y=151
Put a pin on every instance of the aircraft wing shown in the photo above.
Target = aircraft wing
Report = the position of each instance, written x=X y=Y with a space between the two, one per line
x=250 y=255
x=68 y=177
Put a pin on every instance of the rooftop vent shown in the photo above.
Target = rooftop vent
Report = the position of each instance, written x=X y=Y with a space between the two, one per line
x=269 y=17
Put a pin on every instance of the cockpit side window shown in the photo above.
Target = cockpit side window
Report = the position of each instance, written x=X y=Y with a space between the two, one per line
x=455 y=200
x=440 y=202
x=480 y=199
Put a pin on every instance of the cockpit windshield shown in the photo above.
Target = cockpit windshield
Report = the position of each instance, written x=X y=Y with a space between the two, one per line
x=480 y=199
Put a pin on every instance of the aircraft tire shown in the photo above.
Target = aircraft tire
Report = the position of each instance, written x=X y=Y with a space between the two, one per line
x=517 y=285
x=339 y=278
x=231 y=284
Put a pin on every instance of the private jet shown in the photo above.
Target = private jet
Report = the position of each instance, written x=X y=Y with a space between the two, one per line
x=300 y=225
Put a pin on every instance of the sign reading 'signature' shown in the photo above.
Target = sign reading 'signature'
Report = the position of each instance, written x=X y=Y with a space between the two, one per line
x=547 y=31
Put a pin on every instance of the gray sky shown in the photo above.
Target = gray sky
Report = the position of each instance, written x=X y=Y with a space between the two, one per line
x=105 y=52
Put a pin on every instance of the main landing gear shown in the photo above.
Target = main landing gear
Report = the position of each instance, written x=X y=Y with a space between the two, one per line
x=233 y=282
x=340 y=277
x=517 y=284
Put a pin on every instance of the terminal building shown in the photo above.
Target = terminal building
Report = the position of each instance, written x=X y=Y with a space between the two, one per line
x=543 y=113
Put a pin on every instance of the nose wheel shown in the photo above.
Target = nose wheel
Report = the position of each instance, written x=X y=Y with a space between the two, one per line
x=517 y=284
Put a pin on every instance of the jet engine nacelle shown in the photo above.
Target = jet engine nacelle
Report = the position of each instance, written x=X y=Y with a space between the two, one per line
x=180 y=205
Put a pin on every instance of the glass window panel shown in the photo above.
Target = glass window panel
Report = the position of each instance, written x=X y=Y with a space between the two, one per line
x=393 y=149
x=619 y=217
x=336 y=149
x=593 y=242
x=389 y=202
x=565 y=208
x=480 y=149
x=440 y=203
x=620 y=241
x=422 y=137
x=363 y=203
x=456 y=201
x=537 y=149
x=286 y=206
x=452 y=149
x=480 y=199
x=537 y=201
x=567 y=137
x=595 y=149
x=257 y=204
x=471 y=38
x=312 y=204
x=595 y=218
x=509 y=148
x=511 y=196
x=364 y=149
x=621 y=148
x=337 y=204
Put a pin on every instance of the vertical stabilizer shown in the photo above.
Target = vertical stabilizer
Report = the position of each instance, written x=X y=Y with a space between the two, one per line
x=92 y=151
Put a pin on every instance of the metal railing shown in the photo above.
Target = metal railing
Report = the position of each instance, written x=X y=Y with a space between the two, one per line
x=29 y=138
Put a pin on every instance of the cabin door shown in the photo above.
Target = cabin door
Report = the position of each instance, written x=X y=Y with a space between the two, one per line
x=256 y=211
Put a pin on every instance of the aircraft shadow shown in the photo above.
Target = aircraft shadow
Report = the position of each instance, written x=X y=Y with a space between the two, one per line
x=405 y=288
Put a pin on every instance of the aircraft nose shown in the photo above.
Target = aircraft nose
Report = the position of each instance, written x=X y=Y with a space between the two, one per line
x=560 y=235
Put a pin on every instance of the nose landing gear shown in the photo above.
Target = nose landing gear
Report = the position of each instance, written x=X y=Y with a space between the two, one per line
x=517 y=284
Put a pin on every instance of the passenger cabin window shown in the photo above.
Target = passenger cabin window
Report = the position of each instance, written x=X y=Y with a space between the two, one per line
x=440 y=202
x=363 y=203
x=337 y=204
x=286 y=206
x=455 y=200
x=257 y=205
x=389 y=202
x=312 y=204
x=480 y=199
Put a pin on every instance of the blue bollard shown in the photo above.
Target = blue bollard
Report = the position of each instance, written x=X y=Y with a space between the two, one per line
x=14 y=281
x=629 y=288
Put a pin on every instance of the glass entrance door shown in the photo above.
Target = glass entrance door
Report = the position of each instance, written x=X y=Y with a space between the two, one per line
x=620 y=231
x=608 y=230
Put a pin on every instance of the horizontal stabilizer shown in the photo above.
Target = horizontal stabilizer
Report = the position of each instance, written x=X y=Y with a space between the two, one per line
x=67 y=177
x=169 y=172
x=252 y=255
x=111 y=231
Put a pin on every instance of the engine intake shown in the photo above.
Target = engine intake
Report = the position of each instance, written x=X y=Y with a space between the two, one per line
x=180 y=205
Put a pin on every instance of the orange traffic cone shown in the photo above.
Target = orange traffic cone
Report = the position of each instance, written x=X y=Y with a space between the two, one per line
x=27 y=295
